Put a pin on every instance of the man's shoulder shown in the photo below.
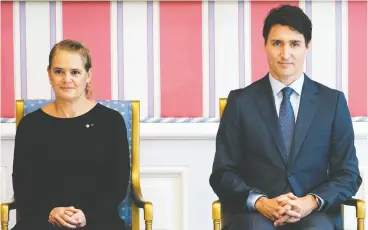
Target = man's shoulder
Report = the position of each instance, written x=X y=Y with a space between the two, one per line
x=248 y=91
x=326 y=91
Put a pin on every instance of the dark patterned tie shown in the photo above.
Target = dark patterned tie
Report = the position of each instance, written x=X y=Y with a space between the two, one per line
x=287 y=119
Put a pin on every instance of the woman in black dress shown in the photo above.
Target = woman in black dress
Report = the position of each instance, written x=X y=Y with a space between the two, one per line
x=71 y=159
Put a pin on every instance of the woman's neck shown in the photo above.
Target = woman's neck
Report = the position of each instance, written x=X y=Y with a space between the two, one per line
x=69 y=109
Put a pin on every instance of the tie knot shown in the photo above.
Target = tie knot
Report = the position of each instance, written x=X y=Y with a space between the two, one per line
x=287 y=91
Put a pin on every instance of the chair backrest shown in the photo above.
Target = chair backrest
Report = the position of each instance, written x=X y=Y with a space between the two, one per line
x=24 y=107
x=222 y=105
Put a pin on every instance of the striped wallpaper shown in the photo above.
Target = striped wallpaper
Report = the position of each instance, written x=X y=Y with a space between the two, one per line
x=177 y=58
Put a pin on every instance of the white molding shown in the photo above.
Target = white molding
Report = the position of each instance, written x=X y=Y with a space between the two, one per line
x=179 y=131
x=168 y=171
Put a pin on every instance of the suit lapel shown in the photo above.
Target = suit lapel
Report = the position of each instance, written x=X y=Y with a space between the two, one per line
x=307 y=109
x=266 y=106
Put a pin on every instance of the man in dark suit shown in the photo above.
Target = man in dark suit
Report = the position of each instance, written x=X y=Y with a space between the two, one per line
x=285 y=155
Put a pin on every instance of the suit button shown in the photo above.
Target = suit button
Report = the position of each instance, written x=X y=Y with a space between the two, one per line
x=289 y=174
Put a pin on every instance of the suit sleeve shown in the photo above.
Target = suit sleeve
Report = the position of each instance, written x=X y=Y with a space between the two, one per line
x=225 y=179
x=117 y=172
x=344 y=177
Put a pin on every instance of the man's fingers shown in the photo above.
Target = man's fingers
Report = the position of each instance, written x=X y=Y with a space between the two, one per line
x=285 y=219
x=293 y=203
x=282 y=198
x=72 y=209
x=281 y=221
x=63 y=223
x=292 y=220
x=69 y=213
x=287 y=196
x=68 y=219
x=54 y=222
x=275 y=215
x=284 y=209
x=286 y=201
x=292 y=196
x=293 y=213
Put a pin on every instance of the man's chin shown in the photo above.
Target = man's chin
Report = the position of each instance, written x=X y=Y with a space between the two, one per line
x=287 y=74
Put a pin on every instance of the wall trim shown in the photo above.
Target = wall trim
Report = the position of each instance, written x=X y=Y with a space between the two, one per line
x=181 y=131
x=169 y=171
x=182 y=120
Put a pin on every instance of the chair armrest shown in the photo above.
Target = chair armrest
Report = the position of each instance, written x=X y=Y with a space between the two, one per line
x=359 y=206
x=5 y=209
x=141 y=203
x=216 y=210
x=216 y=215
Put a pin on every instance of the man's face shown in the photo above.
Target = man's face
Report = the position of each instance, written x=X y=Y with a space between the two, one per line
x=286 y=51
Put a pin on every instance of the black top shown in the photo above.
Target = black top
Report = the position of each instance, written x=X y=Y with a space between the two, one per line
x=81 y=162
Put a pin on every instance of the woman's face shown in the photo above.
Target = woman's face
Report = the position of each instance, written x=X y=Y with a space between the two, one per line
x=68 y=76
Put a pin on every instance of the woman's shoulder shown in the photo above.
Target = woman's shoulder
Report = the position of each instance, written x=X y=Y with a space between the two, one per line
x=31 y=119
x=33 y=116
x=109 y=113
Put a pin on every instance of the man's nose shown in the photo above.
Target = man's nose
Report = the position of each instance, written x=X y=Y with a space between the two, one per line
x=285 y=52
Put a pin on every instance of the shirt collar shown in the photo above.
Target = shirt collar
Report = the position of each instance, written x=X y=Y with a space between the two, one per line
x=277 y=86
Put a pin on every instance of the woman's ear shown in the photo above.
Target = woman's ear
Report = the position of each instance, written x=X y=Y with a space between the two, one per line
x=89 y=75
x=49 y=74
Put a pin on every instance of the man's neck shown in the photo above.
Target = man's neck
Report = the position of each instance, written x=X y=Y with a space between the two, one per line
x=286 y=80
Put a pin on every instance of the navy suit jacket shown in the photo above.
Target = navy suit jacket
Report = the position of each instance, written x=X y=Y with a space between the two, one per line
x=250 y=153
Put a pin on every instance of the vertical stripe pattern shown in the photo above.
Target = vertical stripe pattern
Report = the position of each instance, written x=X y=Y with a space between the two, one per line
x=7 y=60
x=205 y=60
x=89 y=22
x=241 y=41
x=323 y=39
x=358 y=76
x=150 y=58
x=181 y=49
x=16 y=46
x=177 y=58
x=344 y=49
x=135 y=47
x=52 y=30
x=211 y=44
x=120 y=51
x=226 y=45
x=23 y=54
x=37 y=18
x=114 y=50
x=156 y=59
x=308 y=11
x=338 y=45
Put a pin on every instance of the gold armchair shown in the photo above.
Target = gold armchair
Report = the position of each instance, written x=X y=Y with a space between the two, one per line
x=219 y=218
x=134 y=200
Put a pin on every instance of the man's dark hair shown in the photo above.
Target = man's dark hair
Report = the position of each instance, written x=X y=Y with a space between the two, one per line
x=291 y=16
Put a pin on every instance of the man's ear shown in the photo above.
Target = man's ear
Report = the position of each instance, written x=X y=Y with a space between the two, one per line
x=264 y=44
x=308 y=46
